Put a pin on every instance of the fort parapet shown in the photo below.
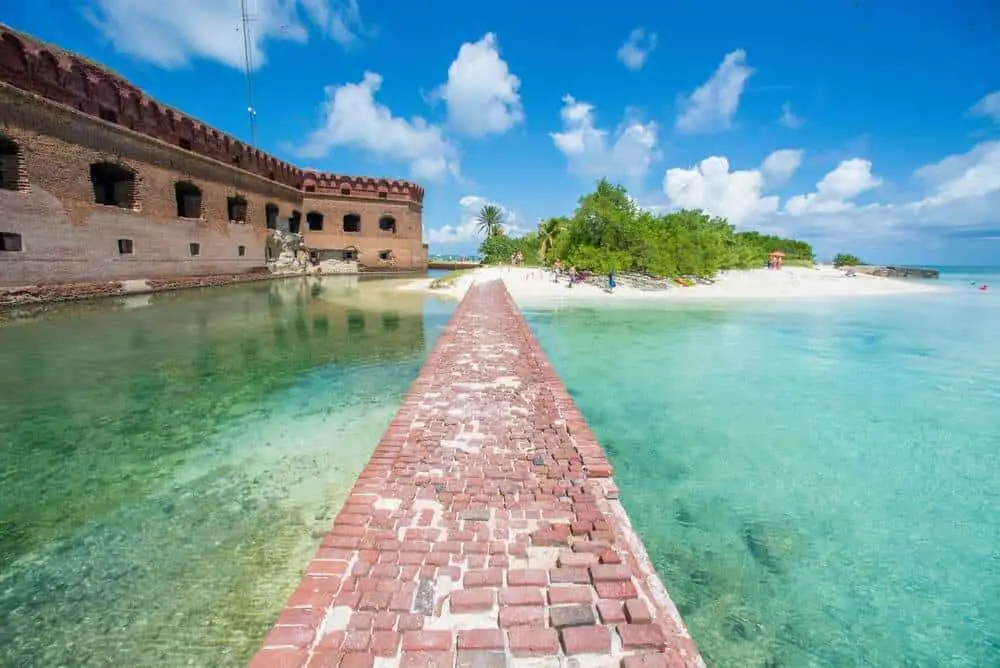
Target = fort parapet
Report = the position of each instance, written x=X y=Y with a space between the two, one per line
x=100 y=182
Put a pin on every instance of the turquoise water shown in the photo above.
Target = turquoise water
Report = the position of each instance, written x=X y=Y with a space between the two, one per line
x=818 y=483
x=170 y=461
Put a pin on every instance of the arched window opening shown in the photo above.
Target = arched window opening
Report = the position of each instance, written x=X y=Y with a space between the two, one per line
x=271 y=215
x=236 y=206
x=114 y=185
x=10 y=165
x=387 y=224
x=295 y=222
x=188 y=199
x=352 y=222
x=314 y=221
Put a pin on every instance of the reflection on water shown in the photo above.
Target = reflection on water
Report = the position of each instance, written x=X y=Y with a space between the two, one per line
x=167 y=459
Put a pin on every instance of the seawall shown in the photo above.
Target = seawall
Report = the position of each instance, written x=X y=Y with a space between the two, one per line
x=484 y=531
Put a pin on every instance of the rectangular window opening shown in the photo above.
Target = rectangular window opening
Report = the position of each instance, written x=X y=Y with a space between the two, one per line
x=10 y=242
x=125 y=247
x=195 y=249
x=242 y=250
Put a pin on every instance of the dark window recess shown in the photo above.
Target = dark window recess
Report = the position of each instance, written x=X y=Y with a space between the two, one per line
x=237 y=208
x=108 y=115
x=270 y=175
x=383 y=195
x=185 y=144
x=271 y=215
x=345 y=191
x=114 y=185
x=314 y=221
x=236 y=160
x=310 y=189
x=352 y=222
x=10 y=242
x=195 y=249
x=10 y=165
x=295 y=222
x=125 y=247
x=384 y=255
x=188 y=199
x=241 y=250
x=387 y=224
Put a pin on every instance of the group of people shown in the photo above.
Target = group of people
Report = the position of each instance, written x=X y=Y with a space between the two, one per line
x=517 y=258
x=574 y=275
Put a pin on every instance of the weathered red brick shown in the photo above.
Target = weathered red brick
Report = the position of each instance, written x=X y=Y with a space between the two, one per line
x=522 y=596
x=642 y=636
x=610 y=573
x=570 y=594
x=515 y=617
x=426 y=641
x=533 y=642
x=527 y=577
x=480 y=639
x=279 y=658
x=471 y=600
x=637 y=611
x=586 y=640
x=620 y=590
x=611 y=611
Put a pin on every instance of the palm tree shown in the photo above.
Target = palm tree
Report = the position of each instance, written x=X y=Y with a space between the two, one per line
x=548 y=230
x=490 y=220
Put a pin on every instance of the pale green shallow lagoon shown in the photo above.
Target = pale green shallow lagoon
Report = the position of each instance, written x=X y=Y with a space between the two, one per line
x=817 y=483
x=168 y=460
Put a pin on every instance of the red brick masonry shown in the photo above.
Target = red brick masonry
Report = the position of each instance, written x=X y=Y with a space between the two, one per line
x=485 y=530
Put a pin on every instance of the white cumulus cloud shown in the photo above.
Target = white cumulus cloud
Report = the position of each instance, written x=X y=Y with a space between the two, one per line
x=713 y=105
x=172 y=34
x=789 y=119
x=958 y=196
x=481 y=91
x=835 y=191
x=988 y=107
x=354 y=119
x=636 y=49
x=467 y=229
x=711 y=187
x=778 y=167
x=628 y=152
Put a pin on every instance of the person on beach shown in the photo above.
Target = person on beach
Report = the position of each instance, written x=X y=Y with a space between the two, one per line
x=572 y=276
x=556 y=268
x=611 y=281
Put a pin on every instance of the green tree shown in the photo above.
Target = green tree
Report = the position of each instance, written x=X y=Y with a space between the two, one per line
x=846 y=260
x=609 y=231
x=548 y=231
x=490 y=221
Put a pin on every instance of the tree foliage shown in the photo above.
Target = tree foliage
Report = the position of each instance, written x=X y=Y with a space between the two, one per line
x=846 y=260
x=609 y=231
x=490 y=221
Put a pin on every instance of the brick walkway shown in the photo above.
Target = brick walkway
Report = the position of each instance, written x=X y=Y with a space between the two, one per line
x=484 y=531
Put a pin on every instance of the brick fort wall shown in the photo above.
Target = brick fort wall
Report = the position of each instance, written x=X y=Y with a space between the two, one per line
x=99 y=182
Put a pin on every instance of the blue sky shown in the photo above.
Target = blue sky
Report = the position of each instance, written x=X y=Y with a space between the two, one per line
x=869 y=126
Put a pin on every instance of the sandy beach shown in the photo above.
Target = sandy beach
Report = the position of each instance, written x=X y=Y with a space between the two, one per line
x=534 y=284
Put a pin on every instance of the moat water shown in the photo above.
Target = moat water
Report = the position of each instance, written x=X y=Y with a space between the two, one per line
x=817 y=483
x=168 y=461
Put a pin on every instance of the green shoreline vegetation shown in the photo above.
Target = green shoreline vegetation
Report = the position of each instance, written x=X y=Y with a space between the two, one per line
x=609 y=231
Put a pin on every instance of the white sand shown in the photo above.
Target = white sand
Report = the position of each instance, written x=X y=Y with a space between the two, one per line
x=531 y=284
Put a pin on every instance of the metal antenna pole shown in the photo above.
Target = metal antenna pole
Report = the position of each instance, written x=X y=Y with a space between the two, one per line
x=248 y=62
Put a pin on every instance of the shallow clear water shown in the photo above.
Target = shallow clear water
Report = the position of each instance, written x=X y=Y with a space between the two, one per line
x=818 y=483
x=168 y=460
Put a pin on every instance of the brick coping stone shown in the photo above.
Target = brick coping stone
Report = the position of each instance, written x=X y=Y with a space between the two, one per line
x=485 y=530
